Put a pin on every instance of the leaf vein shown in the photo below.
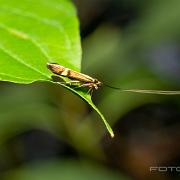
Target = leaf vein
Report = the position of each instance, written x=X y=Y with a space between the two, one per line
x=19 y=60
x=25 y=79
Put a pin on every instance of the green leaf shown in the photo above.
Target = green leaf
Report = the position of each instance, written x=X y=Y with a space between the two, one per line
x=33 y=33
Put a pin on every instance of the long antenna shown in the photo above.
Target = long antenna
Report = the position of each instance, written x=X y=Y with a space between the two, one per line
x=145 y=91
x=112 y=87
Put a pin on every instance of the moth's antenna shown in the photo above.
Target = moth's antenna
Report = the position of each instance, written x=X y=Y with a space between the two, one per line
x=112 y=87
x=146 y=91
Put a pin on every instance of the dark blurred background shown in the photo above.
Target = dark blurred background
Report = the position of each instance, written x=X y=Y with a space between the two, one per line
x=49 y=133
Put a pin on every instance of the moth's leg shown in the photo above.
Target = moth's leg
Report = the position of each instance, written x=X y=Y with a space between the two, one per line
x=90 y=86
x=87 y=85
x=90 y=91
x=78 y=86
x=68 y=82
x=84 y=85
x=72 y=82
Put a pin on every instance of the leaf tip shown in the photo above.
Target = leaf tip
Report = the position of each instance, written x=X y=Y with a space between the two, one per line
x=112 y=134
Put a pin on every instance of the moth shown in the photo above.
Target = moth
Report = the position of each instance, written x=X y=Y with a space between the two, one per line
x=76 y=77
x=93 y=83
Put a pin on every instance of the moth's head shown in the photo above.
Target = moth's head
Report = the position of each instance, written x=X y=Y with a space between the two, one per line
x=98 y=83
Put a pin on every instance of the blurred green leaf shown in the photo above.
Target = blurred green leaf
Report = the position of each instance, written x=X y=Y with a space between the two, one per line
x=65 y=170
x=25 y=107
x=33 y=33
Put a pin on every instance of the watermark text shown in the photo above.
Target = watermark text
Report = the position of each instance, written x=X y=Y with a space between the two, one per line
x=164 y=169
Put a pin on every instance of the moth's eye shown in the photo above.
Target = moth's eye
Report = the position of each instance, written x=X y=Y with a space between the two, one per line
x=95 y=80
